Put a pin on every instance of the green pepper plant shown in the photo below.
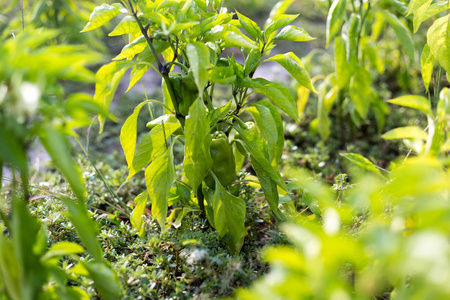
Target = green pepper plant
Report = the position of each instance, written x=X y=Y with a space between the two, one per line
x=359 y=30
x=193 y=37
x=34 y=104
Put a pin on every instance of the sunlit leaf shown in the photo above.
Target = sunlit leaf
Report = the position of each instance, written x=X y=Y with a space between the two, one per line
x=417 y=102
x=197 y=158
x=102 y=14
x=408 y=132
x=295 y=67
x=335 y=19
x=159 y=177
x=361 y=162
x=438 y=38
x=229 y=216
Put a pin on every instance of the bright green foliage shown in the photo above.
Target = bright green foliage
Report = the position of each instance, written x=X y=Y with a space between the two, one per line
x=355 y=27
x=381 y=236
x=229 y=215
x=438 y=38
x=193 y=36
x=31 y=105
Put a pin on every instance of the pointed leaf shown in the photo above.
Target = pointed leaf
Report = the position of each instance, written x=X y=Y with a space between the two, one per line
x=335 y=19
x=279 y=9
x=102 y=14
x=106 y=281
x=139 y=210
x=270 y=124
x=295 y=67
x=407 y=132
x=108 y=78
x=438 y=38
x=197 y=158
x=413 y=101
x=293 y=34
x=402 y=33
x=426 y=64
x=57 y=146
x=159 y=177
x=251 y=142
x=153 y=144
x=198 y=55
x=361 y=162
x=423 y=15
x=250 y=26
x=128 y=134
x=229 y=217
x=126 y=26
x=279 y=94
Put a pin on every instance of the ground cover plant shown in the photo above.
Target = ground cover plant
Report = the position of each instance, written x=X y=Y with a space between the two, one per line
x=230 y=185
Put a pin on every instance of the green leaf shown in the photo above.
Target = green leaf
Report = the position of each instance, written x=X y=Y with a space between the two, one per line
x=279 y=95
x=102 y=14
x=270 y=124
x=128 y=134
x=108 y=78
x=402 y=33
x=12 y=150
x=139 y=210
x=278 y=9
x=250 y=26
x=133 y=48
x=268 y=186
x=323 y=121
x=106 y=281
x=159 y=177
x=57 y=146
x=438 y=38
x=302 y=99
x=361 y=162
x=197 y=158
x=278 y=22
x=127 y=25
x=414 y=101
x=422 y=15
x=293 y=34
x=10 y=269
x=360 y=91
x=85 y=227
x=426 y=64
x=219 y=113
x=418 y=5
x=29 y=244
x=62 y=249
x=153 y=144
x=231 y=35
x=144 y=60
x=294 y=66
x=222 y=75
x=335 y=19
x=229 y=217
x=252 y=61
x=343 y=68
x=407 y=132
x=198 y=55
x=251 y=141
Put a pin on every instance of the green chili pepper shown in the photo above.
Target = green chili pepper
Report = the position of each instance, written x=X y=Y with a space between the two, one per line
x=224 y=165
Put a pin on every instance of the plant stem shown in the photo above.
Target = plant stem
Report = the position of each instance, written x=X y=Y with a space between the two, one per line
x=200 y=199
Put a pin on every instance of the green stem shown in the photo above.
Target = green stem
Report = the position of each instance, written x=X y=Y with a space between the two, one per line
x=113 y=195
x=437 y=89
x=200 y=199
